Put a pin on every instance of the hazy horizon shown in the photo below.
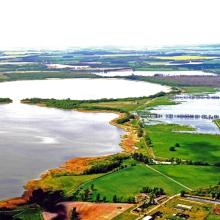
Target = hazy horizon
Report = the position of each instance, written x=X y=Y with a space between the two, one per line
x=56 y=24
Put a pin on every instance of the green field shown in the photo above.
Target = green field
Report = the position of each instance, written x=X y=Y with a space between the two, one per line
x=128 y=182
x=199 y=89
x=213 y=217
x=191 y=176
x=30 y=214
x=165 y=100
x=23 y=213
x=196 y=147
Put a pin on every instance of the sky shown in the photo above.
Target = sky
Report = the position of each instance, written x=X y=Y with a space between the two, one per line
x=54 y=24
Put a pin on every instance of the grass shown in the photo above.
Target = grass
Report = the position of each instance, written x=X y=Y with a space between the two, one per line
x=213 y=217
x=128 y=183
x=165 y=100
x=66 y=183
x=24 y=213
x=127 y=215
x=192 y=176
x=119 y=105
x=30 y=214
x=199 y=89
x=125 y=105
x=199 y=210
x=196 y=147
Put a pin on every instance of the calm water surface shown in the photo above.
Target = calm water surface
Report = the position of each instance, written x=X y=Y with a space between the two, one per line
x=194 y=107
x=78 y=89
x=34 y=139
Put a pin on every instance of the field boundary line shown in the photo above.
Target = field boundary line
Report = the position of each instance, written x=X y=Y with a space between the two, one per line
x=170 y=178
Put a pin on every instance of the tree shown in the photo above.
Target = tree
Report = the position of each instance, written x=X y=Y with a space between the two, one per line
x=114 y=199
x=131 y=200
x=48 y=199
x=97 y=197
x=92 y=187
x=151 y=199
x=86 y=194
x=172 y=149
x=182 y=193
x=74 y=215
x=177 y=145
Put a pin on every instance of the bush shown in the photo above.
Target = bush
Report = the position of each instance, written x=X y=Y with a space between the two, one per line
x=172 y=149
x=177 y=145
x=182 y=193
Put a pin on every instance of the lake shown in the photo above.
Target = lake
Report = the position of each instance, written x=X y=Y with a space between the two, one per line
x=34 y=139
x=191 y=107
x=78 y=89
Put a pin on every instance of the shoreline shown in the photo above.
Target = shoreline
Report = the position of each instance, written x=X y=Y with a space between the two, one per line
x=78 y=164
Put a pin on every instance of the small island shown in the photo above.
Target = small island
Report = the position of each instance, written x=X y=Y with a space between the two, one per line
x=5 y=100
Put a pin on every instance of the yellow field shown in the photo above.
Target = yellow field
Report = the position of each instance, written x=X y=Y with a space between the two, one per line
x=186 y=57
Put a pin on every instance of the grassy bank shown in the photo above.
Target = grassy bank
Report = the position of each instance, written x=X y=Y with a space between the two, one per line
x=124 y=105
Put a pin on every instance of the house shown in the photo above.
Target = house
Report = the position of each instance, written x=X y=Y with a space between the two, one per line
x=147 y=218
x=141 y=197
x=183 y=207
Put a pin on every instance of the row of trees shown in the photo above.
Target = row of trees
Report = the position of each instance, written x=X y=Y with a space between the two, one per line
x=126 y=118
x=91 y=194
x=108 y=164
x=141 y=157
x=155 y=191
x=179 y=161
x=212 y=191
x=148 y=140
